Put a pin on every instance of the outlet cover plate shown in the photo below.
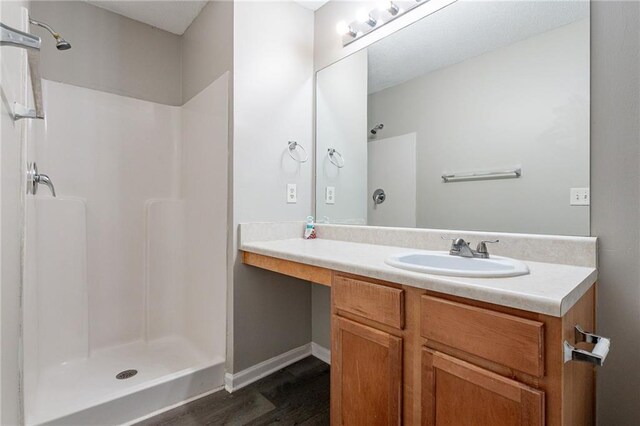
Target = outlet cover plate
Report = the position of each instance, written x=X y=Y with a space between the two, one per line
x=330 y=195
x=292 y=193
x=580 y=197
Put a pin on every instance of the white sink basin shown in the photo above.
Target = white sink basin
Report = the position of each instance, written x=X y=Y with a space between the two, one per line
x=442 y=263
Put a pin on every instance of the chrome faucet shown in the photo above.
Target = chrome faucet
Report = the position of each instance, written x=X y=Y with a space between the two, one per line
x=459 y=247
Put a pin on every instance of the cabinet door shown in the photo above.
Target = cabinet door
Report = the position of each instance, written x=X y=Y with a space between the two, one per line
x=455 y=392
x=366 y=375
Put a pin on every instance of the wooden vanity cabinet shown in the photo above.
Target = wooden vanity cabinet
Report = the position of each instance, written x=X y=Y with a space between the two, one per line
x=403 y=355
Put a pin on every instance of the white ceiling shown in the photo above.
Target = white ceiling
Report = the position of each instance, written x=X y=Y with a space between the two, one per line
x=312 y=4
x=173 y=16
x=463 y=30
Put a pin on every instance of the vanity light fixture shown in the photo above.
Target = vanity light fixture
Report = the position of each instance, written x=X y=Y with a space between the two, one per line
x=366 y=22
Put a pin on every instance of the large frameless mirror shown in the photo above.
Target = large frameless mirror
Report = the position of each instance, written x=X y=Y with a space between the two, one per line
x=475 y=117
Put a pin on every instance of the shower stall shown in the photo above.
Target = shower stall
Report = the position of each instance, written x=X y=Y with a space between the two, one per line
x=124 y=270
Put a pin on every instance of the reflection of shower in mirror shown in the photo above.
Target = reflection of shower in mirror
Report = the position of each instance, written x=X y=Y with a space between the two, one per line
x=376 y=128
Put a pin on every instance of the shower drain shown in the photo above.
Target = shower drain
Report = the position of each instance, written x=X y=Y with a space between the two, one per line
x=126 y=374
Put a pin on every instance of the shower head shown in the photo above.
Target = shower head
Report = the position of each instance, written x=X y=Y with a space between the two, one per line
x=61 y=43
x=376 y=128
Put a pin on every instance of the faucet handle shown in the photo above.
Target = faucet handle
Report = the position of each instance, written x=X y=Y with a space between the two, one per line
x=447 y=238
x=454 y=241
x=482 y=246
x=34 y=179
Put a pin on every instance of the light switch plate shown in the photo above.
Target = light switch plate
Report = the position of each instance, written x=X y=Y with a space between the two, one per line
x=330 y=195
x=292 y=193
x=580 y=197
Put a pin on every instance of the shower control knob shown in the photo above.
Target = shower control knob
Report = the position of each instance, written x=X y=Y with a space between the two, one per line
x=379 y=196
x=34 y=179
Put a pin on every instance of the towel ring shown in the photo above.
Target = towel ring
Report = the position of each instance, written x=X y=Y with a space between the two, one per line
x=292 y=147
x=338 y=163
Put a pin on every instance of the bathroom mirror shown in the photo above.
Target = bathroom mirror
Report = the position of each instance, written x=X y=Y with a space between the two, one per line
x=475 y=117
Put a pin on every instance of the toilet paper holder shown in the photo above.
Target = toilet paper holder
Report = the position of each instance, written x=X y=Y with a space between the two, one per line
x=597 y=355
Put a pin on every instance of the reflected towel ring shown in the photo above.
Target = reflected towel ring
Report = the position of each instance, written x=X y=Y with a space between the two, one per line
x=292 y=147
x=338 y=163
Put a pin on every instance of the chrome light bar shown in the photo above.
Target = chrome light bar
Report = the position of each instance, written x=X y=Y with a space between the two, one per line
x=16 y=38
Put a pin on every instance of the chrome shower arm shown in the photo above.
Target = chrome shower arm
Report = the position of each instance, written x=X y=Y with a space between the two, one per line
x=45 y=26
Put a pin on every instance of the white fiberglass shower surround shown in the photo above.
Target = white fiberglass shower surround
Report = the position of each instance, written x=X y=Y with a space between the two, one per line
x=126 y=268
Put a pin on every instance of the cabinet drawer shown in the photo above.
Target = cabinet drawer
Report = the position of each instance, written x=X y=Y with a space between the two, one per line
x=372 y=301
x=514 y=342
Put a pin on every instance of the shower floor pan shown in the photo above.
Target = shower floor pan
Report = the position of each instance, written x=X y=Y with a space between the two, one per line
x=87 y=392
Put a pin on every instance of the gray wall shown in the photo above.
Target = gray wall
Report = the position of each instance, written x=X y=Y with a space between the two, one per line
x=615 y=207
x=109 y=52
x=207 y=48
x=273 y=100
x=471 y=115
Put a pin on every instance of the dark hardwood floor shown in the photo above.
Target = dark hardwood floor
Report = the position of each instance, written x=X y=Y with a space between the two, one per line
x=295 y=395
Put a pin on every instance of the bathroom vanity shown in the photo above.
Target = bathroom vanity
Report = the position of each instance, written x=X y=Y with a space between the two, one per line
x=412 y=348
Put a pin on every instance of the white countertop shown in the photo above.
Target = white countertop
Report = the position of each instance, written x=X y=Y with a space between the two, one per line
x=550 y=289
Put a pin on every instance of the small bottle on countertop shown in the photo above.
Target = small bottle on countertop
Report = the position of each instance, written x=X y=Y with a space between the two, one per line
x=310 y=229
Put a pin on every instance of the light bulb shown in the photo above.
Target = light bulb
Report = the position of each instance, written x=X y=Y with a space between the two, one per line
x=342 y=28
x=362 y=15
x=365 y=17
x=389 y=6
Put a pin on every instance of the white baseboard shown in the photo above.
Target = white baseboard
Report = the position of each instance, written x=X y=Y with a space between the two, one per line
x=321 y=352
x=233 y=382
